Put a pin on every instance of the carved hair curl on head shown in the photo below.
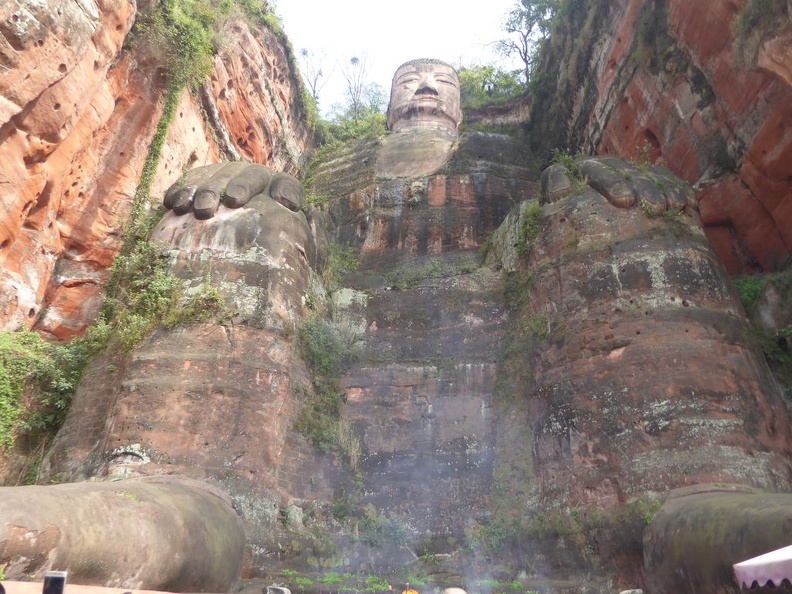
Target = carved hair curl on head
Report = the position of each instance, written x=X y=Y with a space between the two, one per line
x=418 y=61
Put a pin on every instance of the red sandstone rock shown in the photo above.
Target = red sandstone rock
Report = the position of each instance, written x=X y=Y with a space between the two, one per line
x=644 y=383
x=695 y=109
x=77 y=114
x=256 y=98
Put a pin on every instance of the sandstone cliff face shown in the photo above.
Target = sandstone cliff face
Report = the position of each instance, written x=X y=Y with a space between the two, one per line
x=665 y=81
x=78 y=112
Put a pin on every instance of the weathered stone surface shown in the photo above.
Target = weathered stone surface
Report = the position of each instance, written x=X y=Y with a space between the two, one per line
x=202 y=401
x=681 y=98
x=62 y=52
x=75 y=136
x=630 y=360
x=422 y=400
x=212 y=401
x=626 y=399
x=450 y=209
x=256 y=95
x=412 y=154
x=188 y=536
x=701 y=531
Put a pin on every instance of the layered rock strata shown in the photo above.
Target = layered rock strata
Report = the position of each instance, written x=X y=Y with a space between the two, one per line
x=422 y=397
x=639 y=314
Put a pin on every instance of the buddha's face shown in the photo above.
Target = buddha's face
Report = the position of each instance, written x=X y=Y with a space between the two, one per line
x=424 y=95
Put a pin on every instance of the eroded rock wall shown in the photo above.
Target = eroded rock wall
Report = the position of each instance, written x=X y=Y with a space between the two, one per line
x=666 y=82
x=77 y=114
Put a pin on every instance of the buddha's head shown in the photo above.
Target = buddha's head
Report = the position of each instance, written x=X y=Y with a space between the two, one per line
x=424 y=94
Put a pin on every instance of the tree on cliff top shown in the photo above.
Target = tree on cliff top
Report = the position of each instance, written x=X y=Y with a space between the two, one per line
x=528 y=26
x=312 y=66
x=355 y=74
x=352 y=121
x=488 y=84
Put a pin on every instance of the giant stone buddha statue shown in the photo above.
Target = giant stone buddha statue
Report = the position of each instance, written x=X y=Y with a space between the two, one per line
x=609 y=413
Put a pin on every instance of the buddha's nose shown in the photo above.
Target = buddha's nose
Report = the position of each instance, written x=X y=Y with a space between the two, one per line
x=427 y=86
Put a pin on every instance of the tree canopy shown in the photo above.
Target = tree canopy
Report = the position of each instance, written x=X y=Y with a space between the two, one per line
x=528 y=27
x=363 y=116
x=481 y=85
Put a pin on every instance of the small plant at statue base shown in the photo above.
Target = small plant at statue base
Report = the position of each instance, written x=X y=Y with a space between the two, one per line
x=568 y=160
x=539 y=325
x=342 y=508
x=643 y=157
x=328 y=348
x=408 y=277
x=647 y=209
x=331 y=577
x=204 y=304
x=749 y=288
x=341 y=260
x=529 y=227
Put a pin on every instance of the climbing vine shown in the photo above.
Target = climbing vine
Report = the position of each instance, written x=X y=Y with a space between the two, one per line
x=38 y=378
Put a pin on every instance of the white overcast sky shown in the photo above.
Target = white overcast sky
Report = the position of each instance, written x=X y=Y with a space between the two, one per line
x=392 y=32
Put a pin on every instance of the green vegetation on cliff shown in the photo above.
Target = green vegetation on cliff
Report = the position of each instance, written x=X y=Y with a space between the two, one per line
x=328 y=348
x=487 y=85
x=143 y=293
x=563 y=76
x=182 y=36
x=757 y=293
x=37 y=380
